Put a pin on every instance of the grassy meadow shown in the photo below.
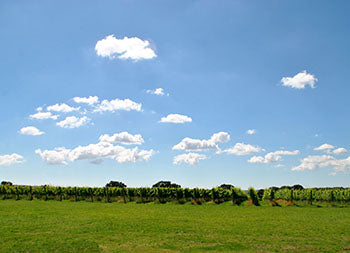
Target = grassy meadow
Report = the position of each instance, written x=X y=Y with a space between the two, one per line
x=47 y=226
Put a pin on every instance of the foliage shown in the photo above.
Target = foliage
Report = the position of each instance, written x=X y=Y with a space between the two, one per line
x=116 y=184
x=226 y=186
x=167 y=194
x=253 y=196
x=166 y=184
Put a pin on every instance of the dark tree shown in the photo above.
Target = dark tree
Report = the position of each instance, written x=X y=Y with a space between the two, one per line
x=226 y=186
x=116 y=184
x=166 y=184
x=260 y=193
x=297 y=187
x=6 y=183
x=286 y=187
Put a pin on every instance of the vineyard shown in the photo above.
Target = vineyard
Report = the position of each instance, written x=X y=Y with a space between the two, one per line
x=179 y=195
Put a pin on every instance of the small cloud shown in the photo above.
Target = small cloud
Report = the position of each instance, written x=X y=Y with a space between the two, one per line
x=30 y=130
x=340 y=151
x=272 y=156
x=123 y=137
x=86 y=100
x=126 y=48
x=176 y=118
x=62 y=108
x=324 y=147
x=251 y=131
x=43 y=115
x=243 y=149
x=189 y=144
x=300 y=80
x=118 y=104
x=7 y=160
x=73 y=122
x=189 y=158
x=157 y=91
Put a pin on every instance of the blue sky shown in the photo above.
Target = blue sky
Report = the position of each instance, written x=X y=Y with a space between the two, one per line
x=142 y=91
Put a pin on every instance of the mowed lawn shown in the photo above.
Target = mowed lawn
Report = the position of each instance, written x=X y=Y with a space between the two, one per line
x=39 y=226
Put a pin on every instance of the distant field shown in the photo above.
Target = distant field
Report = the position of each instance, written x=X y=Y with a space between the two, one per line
x=47 y=226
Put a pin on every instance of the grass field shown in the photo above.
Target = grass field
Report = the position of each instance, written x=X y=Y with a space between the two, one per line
x=47 y=226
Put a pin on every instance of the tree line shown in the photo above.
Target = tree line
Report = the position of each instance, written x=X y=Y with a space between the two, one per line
x=165 y=191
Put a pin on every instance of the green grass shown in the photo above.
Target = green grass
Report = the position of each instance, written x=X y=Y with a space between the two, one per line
x=39 y=226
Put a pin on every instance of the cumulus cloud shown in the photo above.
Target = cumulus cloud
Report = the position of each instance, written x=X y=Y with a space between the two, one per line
x=55 y=156
x=30 y=130
x=94 y=152
x=340 y=151
x=118 y=104
x=189 y=158
x=190 y=144
x=251 y=131
x=157 y=91
x=43 y=115
x=62 y=108
x=321 y=161
x=220 y=137
x=86 y=100
x=324 y=147
x=6 y=160
x=243 y=149
x=123 y=137
x=126 y=48
x=175 y=118
x=73 y=122
x=300 y=80
x=272 y=156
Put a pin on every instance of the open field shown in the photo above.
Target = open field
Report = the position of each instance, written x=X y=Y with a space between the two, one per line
x=46 y=226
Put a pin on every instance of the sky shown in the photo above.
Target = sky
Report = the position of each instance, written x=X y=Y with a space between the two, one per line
x=199 y=93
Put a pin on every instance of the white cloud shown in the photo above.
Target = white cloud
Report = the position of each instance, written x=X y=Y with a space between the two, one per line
x=73 y=122
x=123 y=137
x=175 y=118
x=189 y=158
x=251 y=131
x=340 y=151
x=56 y=156
x=279 y=165
x=6 y=160
x=157 y=91
x=243 y=149
x=316 y=162
x=43 y=115
x=62 y=108
x=300 y=80
x=220 y=137
x=93 y=152
x=30 y=130
x=86 y=100
x=126 y=48
x=324 y=147
x=272 y=156
x=190 y=144
x=118 y=104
